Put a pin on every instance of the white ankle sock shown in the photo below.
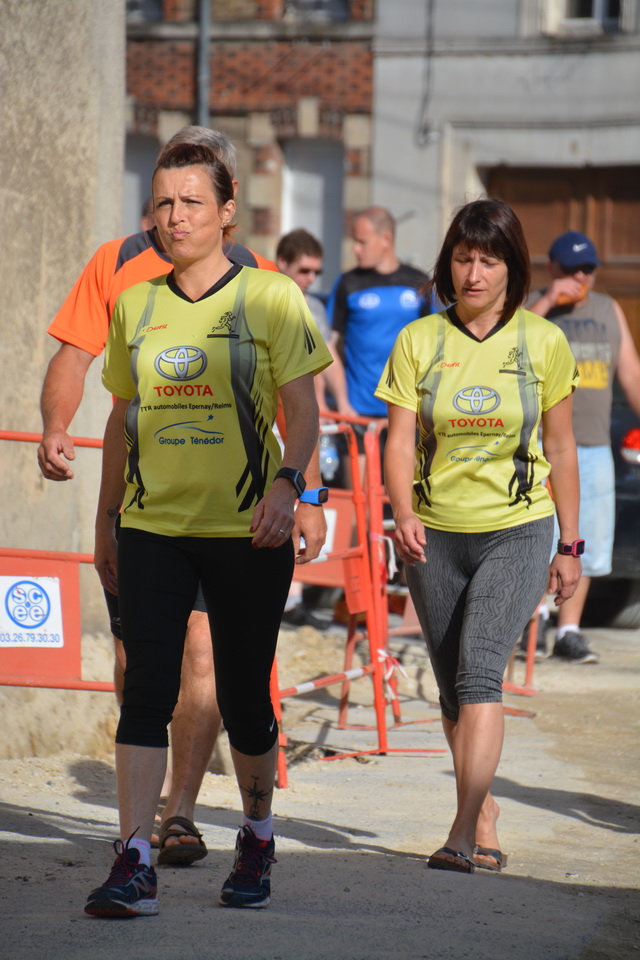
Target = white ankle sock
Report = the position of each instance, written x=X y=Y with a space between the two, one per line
x=144 y=849
x=567 y=628
x=263 y=829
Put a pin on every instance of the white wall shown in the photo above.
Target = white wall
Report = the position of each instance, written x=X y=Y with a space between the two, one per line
x=312 y=197
x=509 y=100
x=140 y=157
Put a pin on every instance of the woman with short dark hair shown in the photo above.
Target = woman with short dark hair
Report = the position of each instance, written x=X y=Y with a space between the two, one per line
x=196 y=360
x=473 y=515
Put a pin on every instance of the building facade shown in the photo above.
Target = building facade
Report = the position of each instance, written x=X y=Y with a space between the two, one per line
x=534 y=101
x=418 y=105
x=289 y=82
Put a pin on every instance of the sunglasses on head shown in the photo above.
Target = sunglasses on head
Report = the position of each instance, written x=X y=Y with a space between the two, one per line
x=307 y=270
x=581 y=268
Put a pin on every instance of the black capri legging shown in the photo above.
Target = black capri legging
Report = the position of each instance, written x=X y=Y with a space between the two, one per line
x=245 y=592
x=474 y=597
x=114 y=609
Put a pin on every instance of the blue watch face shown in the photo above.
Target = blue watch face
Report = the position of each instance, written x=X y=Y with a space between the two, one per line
x=321 y=495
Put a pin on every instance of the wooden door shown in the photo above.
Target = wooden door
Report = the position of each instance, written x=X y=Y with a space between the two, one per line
x=603 y=202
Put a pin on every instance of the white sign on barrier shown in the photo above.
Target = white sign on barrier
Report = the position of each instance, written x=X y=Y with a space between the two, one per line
x=30 y=612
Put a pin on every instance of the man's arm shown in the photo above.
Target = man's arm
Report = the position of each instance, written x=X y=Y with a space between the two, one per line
x=628 y=370
x=61 y=395
x=333 y=379
x=566 y=289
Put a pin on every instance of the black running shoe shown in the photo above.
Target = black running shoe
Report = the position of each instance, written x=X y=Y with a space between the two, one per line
x=249 y=883
x=541 y=641
x=573 y=646
x=522 y=647
x=130 y=890
x=301 y=616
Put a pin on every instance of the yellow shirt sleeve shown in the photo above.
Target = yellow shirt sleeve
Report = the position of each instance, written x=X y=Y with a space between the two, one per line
x=562 y=376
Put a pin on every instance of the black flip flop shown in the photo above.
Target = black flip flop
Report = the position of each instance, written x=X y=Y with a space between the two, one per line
x=441 y=863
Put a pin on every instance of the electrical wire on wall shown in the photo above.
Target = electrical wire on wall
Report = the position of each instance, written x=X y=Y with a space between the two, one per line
x=423 y=133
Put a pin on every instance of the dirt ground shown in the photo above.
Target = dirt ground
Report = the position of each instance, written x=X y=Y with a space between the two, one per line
x=352 y=834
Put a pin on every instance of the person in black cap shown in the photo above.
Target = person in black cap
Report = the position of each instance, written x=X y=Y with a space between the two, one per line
x=598 y=333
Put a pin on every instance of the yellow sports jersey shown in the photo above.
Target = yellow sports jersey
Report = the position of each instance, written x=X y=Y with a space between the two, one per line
x=478 y=405
x=203 y=380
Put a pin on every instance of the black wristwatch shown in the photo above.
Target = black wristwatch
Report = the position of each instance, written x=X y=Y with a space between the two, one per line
x=575 y=549
x=318 y=496
x=294 y=477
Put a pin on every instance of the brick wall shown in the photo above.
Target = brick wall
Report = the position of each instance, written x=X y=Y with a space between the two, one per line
x=263 y=93
x=250 y=77
x=181 y=10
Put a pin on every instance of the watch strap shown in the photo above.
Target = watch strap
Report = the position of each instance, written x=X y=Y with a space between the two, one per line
x=317 y=497
x=293 y=476
x=574 y=549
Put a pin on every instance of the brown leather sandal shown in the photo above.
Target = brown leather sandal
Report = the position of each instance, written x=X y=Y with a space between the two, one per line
x=180 y=854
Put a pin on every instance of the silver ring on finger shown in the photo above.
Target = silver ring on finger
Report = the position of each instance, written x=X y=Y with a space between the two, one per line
x=280 y=530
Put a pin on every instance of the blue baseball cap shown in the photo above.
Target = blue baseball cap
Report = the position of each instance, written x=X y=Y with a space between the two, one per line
x=573 y=249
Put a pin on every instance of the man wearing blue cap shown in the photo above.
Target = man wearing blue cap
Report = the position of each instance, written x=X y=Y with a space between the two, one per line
x=598 y=333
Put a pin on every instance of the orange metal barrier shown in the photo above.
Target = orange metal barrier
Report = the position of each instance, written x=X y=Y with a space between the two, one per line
x=37 y=437
x=40 y=658
x=31 y=653
x=376 y=499
x=346 y=566
x=39 y=582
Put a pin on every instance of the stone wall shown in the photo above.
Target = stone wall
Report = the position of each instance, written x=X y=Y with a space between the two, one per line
x=61 y=149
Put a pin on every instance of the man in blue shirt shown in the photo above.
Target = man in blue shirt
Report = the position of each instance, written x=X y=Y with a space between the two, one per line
x=371 y=304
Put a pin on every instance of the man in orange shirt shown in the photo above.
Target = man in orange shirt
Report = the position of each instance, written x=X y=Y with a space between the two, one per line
x=81 y=326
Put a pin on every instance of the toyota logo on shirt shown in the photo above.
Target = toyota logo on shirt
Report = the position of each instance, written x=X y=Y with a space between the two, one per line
x=476 y=400
x=181 y=363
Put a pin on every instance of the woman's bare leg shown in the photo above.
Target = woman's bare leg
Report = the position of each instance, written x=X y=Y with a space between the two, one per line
x=476 y=744
x=139 y=775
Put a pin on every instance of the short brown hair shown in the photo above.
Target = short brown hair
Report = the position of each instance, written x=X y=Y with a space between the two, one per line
x=199 y=155
x=380 y=219
x=492 y=227
x=296 y=244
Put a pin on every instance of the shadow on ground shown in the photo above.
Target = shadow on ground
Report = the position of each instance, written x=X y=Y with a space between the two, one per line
x=352 y=900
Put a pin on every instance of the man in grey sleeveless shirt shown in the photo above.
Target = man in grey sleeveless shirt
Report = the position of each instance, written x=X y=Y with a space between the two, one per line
x=598 y=333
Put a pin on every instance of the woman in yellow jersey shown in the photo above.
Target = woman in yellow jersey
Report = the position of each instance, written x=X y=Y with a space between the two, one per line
x=196 y=360
x=474 y=519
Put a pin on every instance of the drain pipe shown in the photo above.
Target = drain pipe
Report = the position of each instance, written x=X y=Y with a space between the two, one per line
x=204 y=71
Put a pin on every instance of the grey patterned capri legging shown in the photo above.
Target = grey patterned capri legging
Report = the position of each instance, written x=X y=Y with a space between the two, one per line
x=474 y=597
